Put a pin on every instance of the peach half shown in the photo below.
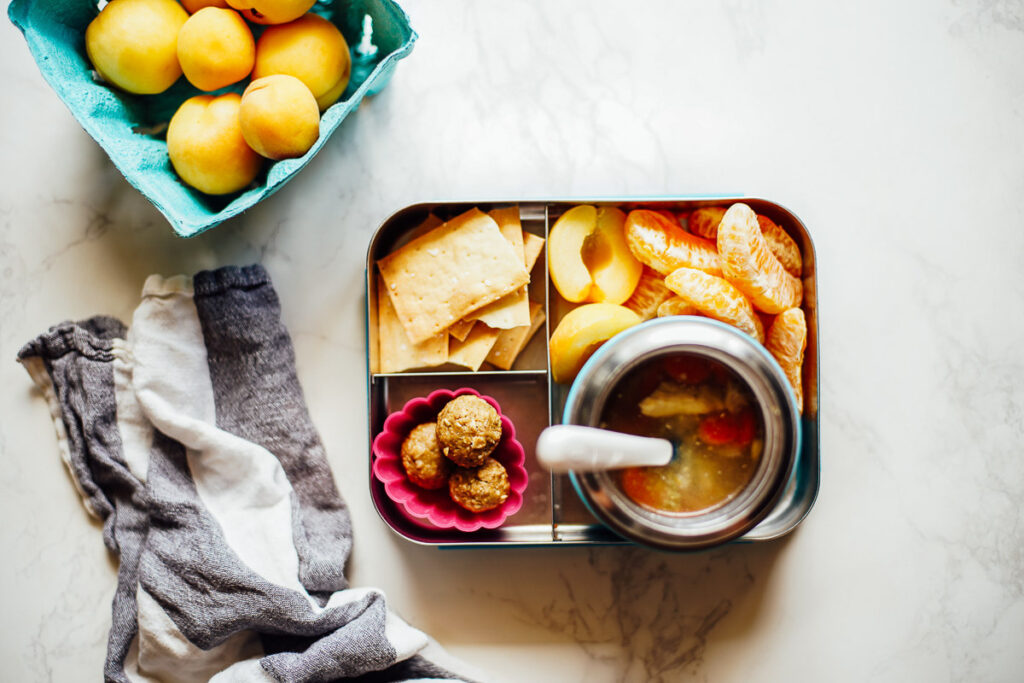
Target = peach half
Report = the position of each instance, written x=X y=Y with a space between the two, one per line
x=581 y=332
x=588 y=257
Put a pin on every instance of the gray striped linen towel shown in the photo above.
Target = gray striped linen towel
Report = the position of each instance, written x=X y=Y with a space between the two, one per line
x=189 y=437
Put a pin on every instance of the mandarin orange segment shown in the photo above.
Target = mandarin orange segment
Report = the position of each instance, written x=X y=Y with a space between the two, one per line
x=667 y=215
x=676 y=305
x=781 y=245
x=766 y=318
x=786 y=341
x=716 y=298
x=749 y=264
x=704 y=221
x=663 y=245
x=650 y=292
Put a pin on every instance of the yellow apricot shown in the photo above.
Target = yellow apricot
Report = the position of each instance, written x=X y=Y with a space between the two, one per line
x=569 y=274
x=271 y=11
x=581 y=332
x=279 y=117
x=206 y=146
x=611 y=264
x=132 y=44
x=216 y=48
x=312 y=50
x=193 y=6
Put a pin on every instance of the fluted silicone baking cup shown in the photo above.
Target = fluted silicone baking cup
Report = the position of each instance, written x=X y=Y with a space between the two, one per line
x=437 y=507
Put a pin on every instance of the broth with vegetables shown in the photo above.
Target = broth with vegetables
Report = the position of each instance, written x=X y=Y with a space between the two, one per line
x=710 y=416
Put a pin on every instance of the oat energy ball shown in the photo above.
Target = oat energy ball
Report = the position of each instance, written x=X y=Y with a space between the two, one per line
x=480 y=488
x=422 y=458
x=468 y=429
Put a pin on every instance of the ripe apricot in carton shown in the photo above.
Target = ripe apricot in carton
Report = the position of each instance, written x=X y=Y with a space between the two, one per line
x=271 y=11
x=279 y=117
x=216 y=48
x=206 y=146
x=312 y=50
x=133 y=44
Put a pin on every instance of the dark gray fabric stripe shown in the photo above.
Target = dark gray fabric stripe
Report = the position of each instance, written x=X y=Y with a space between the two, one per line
x=353 y=649
x=258 y=397
x=78 y=359
x=410 y=669
x=210 y=594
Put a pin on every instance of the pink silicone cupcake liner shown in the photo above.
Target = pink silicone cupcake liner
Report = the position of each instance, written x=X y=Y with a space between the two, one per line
x=436 y=507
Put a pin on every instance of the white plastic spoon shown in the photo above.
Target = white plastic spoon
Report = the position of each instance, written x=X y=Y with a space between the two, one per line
x=561 y=448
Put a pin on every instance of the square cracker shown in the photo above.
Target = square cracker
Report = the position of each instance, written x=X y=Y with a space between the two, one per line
x=511 y=228
x=532 y=245
x=395 y=352
x=511 y=342
x=460 y=329
x=512 y=310
x=428 y=224
x=472 y=352
x=456 y=268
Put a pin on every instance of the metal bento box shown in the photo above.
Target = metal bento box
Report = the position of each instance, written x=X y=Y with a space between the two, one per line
x=551 y=512
x=131 y=128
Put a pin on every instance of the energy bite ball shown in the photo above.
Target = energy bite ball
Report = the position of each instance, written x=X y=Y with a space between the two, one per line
x=468 y=429
x=480 y=488
x=422 y=458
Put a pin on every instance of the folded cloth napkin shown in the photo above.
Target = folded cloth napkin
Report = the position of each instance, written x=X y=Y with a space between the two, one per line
x=188 y=435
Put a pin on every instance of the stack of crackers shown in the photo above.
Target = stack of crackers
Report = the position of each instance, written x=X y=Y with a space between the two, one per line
x=457 y=294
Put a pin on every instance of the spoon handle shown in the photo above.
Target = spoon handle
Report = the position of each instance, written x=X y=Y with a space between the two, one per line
x=561 y=448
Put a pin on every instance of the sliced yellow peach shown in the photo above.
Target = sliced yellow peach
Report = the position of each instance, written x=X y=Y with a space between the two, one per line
x=613 y=268
x=565 y=252
x=579 y=334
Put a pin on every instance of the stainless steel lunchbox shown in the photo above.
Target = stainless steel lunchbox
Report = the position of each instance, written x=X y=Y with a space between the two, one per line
x=755 y=367
x=553 y=514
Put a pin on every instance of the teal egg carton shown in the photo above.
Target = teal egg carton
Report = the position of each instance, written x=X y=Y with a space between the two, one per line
x=131 y=128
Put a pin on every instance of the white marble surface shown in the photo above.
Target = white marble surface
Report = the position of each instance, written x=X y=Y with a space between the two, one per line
x=895 y=130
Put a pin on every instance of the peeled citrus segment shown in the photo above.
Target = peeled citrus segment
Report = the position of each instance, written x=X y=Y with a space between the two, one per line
x=579 y=334
x=766 y=319
x=650 y=292
x=781 y=245
x=664 y=246
x=667 y=215
x=676 y=305
x=749 y=264
x=716 y=298
x=704 y=221
x=786 y=341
